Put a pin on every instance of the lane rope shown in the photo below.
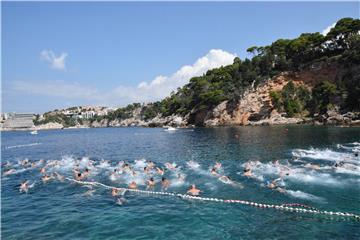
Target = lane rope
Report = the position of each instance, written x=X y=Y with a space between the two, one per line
x=292 y=207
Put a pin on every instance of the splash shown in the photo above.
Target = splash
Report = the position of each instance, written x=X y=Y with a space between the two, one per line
x=305 y=196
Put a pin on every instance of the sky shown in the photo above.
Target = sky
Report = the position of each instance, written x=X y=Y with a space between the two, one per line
x=63 y=54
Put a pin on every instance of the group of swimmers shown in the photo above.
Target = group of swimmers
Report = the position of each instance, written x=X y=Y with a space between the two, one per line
x=82 y=170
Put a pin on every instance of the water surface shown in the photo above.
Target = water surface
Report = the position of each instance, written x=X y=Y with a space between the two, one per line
x=60 y=210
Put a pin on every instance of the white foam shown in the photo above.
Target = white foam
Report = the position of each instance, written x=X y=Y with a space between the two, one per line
x=327 y=155
x=23 y=145
x=304 y=195
x=192 y=164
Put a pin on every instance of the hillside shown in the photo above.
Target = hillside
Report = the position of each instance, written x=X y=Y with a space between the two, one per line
x=312 y=78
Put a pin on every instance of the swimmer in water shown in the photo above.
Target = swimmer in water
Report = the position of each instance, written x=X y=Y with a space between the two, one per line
x=24 y=187
x=227 y=180
x=213 y=172
x=79 y=176
x=170 y=166
x=43 y=170
x=150 y=164
x=356 y=154
x=194 y=191
x=46 y=178
x=146 y=170
x=217 y=166
x=133 y=185
x=8 y=172
x=114 y=192
x=273 y=185
x=86 y=172
x=247 y=172
x=151 y=183
x=165 y=183
x=160 y=171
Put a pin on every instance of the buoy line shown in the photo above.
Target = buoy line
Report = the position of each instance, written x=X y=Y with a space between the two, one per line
x=292 y=207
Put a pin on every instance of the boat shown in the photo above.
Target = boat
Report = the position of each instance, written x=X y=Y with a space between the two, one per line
x=34 y=132
x=171 y=129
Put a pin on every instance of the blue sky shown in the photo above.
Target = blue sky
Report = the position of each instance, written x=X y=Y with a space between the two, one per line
x=56 y=55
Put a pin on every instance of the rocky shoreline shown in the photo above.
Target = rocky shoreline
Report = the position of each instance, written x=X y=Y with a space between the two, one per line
x=331 y=118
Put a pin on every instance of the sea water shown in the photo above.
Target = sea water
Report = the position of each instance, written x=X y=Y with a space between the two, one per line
x=64 y=210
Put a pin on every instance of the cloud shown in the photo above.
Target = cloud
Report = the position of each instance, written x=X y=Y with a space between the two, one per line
x=161 y=86
x=327 y=30
x=147 y=91
x=55 y=62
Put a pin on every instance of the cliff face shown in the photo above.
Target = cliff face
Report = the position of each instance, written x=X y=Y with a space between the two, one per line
x=256 y=107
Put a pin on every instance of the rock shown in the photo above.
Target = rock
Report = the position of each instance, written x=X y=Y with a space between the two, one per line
x=50 y=125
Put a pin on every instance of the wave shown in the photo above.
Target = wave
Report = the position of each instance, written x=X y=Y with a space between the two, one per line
x=23 y=145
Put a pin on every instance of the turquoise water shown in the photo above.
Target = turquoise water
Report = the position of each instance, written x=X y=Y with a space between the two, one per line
x=64 y=210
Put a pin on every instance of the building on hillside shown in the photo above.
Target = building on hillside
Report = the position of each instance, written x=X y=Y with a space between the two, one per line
x=19 y=120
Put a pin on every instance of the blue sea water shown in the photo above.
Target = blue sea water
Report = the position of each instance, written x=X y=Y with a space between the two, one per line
x=64 y=210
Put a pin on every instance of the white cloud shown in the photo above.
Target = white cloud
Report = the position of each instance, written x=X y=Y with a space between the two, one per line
x=55 y=62
x=160 y=87
x=327 y=30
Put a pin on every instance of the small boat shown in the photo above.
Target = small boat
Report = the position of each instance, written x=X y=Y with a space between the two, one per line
x=34 y=132
x=171 y=129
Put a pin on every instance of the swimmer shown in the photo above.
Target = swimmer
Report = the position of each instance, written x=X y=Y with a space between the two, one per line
x=227 y=180
x=133 y=185
x=213 y=172
x=247 y=172
x=273 y=185
x=114 y=192
x=43 y=170
x=79 y=176
x=150 y=164
x=194 y=191
x=170 y=166
x=59 y=177
x=46 y=178
x=8 y=172
x=151 y=183
x=24 y=187
x=146 y=170
x=160 y=171
x=86 y=172
x=217 y=166
x=24 y=162
x=356 y=154
x=165 y=183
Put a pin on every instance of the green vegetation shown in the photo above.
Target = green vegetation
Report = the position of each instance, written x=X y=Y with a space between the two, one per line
x=292 y=99
x=55 y=117
x=340 y=47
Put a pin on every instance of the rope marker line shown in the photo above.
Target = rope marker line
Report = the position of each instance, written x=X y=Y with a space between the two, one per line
x=292 y=207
